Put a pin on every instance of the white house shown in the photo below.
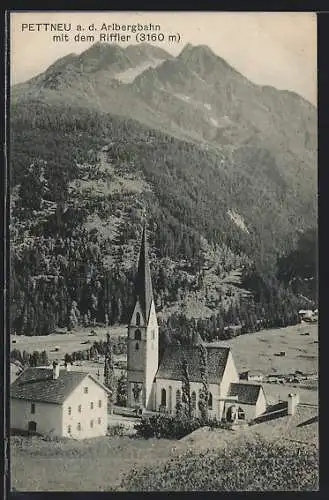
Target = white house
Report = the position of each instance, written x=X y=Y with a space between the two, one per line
x=156 y=385
x=62 y=402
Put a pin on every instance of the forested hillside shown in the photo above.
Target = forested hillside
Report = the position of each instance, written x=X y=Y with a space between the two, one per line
x=225 y=218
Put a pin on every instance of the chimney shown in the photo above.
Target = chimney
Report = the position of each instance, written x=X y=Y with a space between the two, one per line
x=55 y=370
x=293 y=400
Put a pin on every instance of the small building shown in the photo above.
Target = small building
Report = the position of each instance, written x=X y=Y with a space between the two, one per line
x=252 y=376
x=245 y=401
x=64 y=403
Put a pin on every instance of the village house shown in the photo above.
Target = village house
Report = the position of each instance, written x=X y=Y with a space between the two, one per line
x=156 y=385
x=64 y=403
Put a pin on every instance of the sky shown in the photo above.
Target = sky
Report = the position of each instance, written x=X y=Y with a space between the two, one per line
x=277 y=49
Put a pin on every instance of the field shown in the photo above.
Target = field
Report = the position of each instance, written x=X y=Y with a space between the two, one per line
x=258 y=351
x=37 y=465
x=89 y=465
x=66 y=341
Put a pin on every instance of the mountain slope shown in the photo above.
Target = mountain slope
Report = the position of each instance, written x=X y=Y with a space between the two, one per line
x=196 y=96
x=224 y=169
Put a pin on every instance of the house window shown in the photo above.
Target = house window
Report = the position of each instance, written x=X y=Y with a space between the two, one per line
x=79 y=408
x=138 y=335
x=153 y=334
x=193 y=400
x=91 y=405
x=79 y=426
x=69 y=410
x=138 y=319
x=210 y=401
x=32 y=407
x=85 y=390
x=100 y=403
x=99 y=420
x=69 y=429
x=178 y=397
x=137 y=346
x=91 y=424
x=163 y=397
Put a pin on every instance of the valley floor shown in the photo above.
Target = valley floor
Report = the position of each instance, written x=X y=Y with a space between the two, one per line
x=101 y=463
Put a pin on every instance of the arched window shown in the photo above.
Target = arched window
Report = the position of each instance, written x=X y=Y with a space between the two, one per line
x=210 y=401
x=178 y=397
x=138 y=319
x=138 y=335
x=193 y=400
x=170 y=399
x=163 y=397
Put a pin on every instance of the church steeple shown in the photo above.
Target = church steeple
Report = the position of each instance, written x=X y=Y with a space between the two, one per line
x=143 y=337
x=143 y=283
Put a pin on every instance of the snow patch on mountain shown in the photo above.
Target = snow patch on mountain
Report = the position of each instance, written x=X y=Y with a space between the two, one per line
x=214 y=122
x=238 y=220
x=129 y=75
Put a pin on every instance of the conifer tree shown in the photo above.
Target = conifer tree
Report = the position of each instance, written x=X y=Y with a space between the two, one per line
x=109 y=378
x=204 y=393
x=186 y=390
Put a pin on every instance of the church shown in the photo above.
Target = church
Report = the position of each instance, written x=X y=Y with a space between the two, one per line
x=156 y=385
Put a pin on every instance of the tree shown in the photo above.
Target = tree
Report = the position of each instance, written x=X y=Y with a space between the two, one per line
x=44 y=359
x=122 y=390
x=204 y=393
x=109 y=378
x=186 y=390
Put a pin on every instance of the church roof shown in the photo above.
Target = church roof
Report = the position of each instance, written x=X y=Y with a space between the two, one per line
x=171 y=363
x=247 y=393
x=143 y=282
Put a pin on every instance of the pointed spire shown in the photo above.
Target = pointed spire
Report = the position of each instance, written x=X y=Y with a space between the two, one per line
x=143 y=284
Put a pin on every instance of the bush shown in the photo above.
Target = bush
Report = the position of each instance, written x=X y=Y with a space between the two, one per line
x=117 y=430
x=164 y=426
x=261 y=466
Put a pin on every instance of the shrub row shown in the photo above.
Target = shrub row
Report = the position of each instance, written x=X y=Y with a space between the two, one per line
x=171 y=427
x=258 y=466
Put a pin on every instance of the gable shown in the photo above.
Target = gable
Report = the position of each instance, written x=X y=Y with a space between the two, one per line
x=137 y=310
x=95 y=392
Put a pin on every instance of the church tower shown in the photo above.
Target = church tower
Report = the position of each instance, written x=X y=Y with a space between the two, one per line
x=143 y=337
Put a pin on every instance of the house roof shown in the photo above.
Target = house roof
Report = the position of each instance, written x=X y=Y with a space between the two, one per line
x=143 y=282
x=37 y=384
x=171 y=363
x=247 y=393
x=252 y=373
